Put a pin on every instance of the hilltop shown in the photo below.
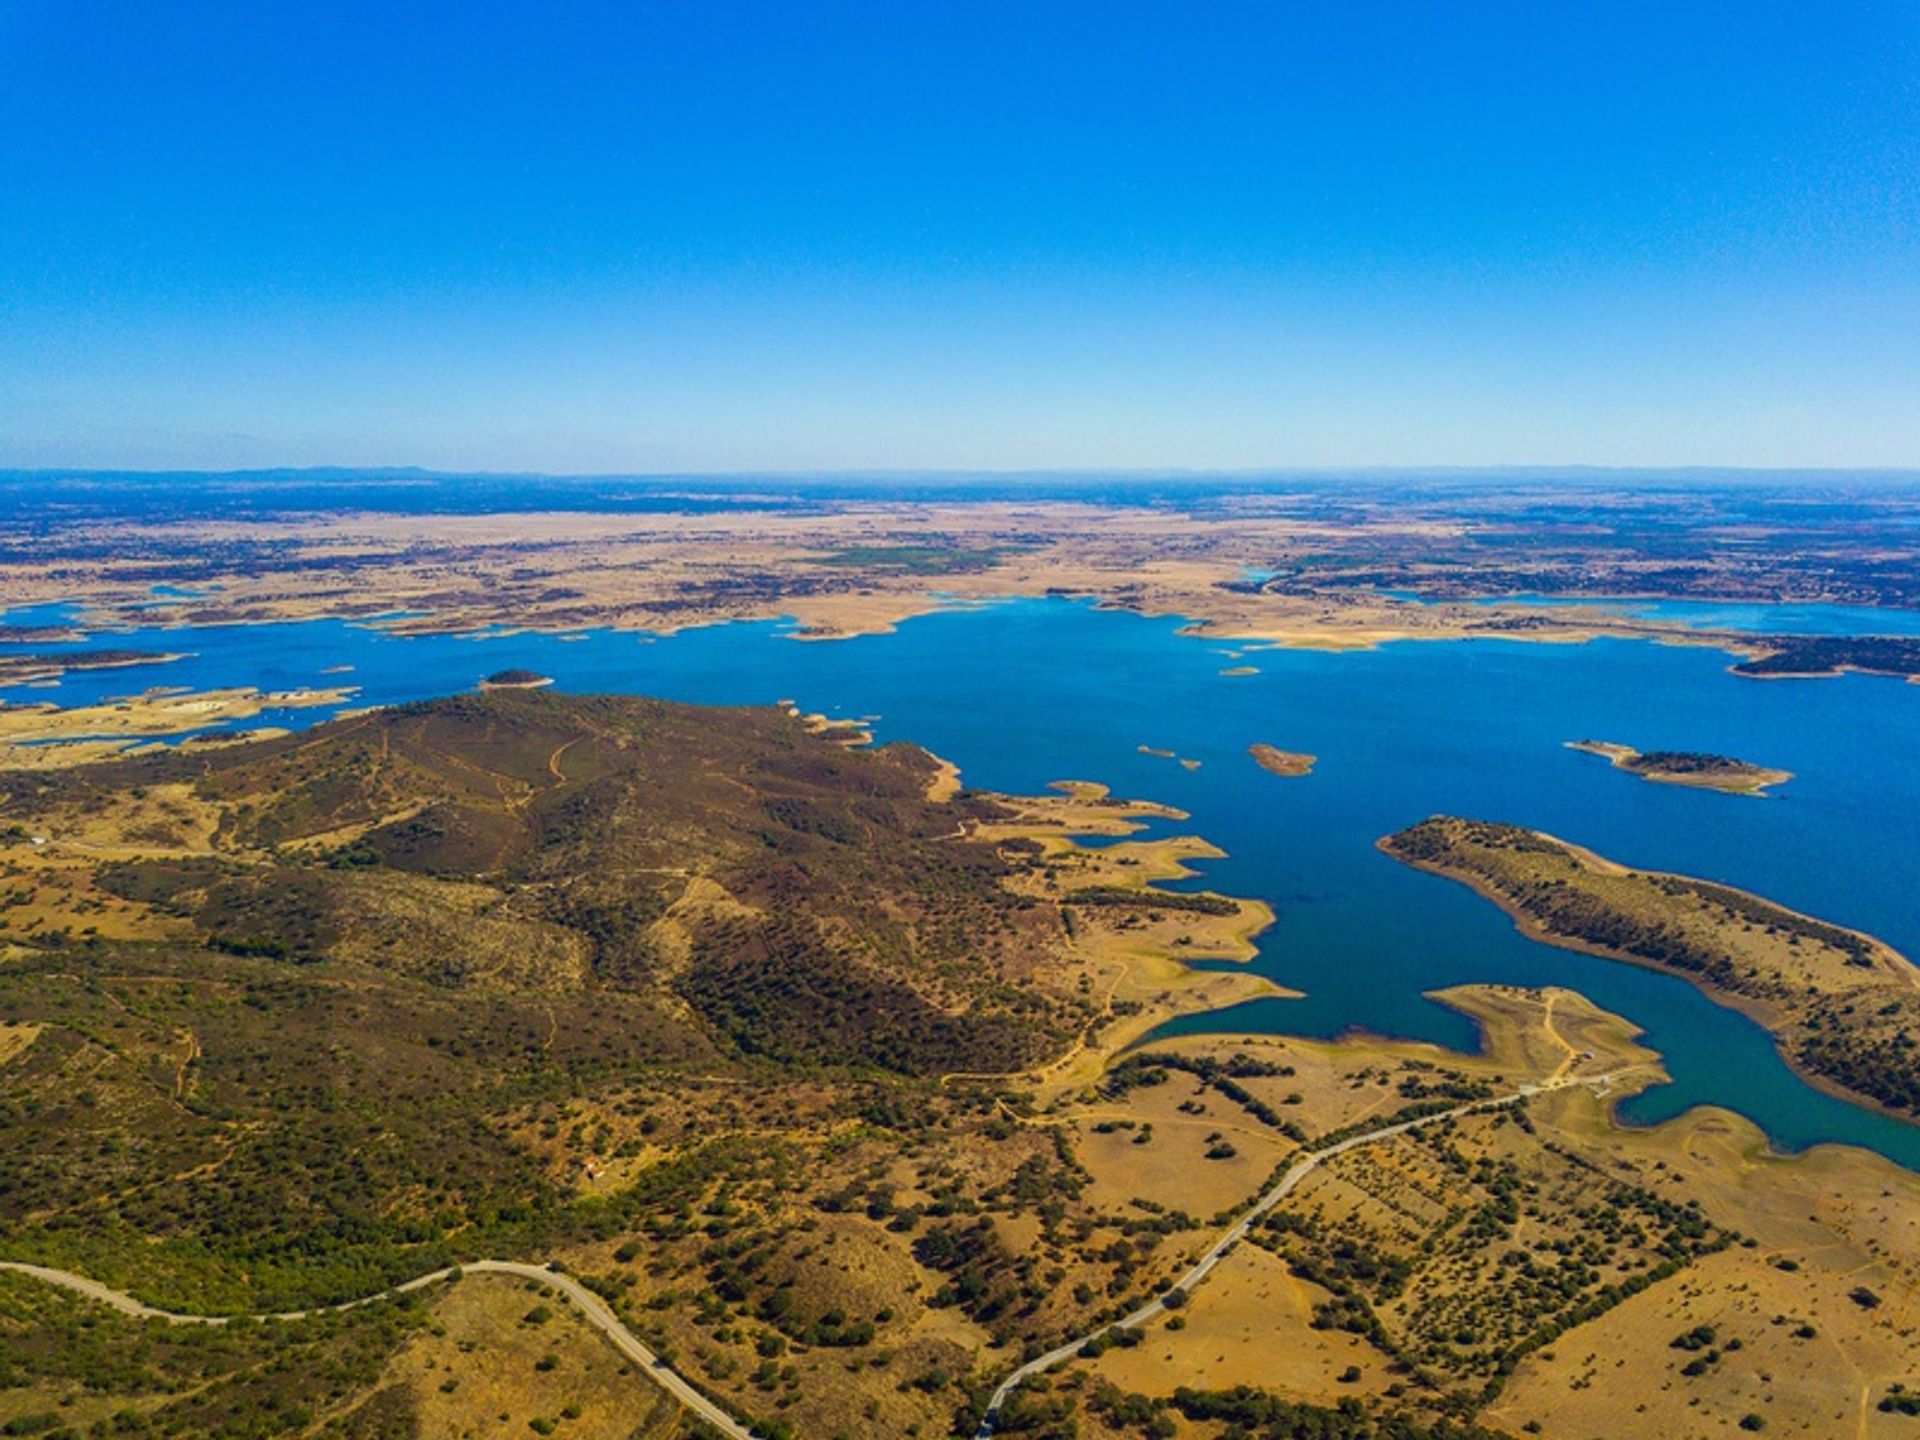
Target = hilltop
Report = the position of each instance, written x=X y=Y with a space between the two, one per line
x=778 y=893
x=504 y=975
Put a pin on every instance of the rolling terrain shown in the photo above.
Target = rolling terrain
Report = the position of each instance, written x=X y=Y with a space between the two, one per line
x=532 y=1063
x=293 y=1021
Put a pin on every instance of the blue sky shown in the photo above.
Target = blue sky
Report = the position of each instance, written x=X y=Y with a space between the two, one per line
x=662 y=237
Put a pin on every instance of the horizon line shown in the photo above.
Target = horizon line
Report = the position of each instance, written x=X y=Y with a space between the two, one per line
x=404 y=471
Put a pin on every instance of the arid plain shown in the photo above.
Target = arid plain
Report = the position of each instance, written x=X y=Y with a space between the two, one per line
x=829 y=1077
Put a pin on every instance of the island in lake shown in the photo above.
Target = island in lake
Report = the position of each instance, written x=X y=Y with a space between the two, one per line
x=515 y=679
x=1307 y=567
x=1688 y=767
x=1159 y=752
x=1288 y=763
x=1841 y=1005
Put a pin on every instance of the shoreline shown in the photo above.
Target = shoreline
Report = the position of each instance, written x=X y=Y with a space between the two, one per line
x=155 y=713
x=1150 y=975
x=1490 y=1027
x=1337 y=623
x=1752 y=1010
x=52 y=668
x=1768 y=1017
x=1838 y=672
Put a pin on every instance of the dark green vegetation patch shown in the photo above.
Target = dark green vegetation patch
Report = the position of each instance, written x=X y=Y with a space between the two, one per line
x=1831 y=654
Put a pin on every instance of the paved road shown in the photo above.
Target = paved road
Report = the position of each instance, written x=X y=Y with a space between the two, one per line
x=592 y=1308
x=1237 y=1231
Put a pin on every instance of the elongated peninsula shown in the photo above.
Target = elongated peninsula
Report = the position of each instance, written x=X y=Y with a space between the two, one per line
x=1842 y=1006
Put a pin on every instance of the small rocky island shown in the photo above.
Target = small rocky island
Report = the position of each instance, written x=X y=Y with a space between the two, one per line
x=1161 y=753
x=1688 y=767
x=515 y=679
x=1288 y=763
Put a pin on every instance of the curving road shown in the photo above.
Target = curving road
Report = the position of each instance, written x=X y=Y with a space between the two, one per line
x=598 y=1314
x=1237 y=1231
x=592 y=1308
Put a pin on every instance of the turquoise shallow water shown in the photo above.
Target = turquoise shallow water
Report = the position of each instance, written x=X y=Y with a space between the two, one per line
x=1751 y=617
x=1026 y=692
x=1756 y=617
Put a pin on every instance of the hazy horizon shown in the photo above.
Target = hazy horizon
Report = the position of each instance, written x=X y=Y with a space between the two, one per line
x=1545 y=473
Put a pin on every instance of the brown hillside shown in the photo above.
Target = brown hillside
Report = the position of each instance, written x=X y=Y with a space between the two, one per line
x=803 y=900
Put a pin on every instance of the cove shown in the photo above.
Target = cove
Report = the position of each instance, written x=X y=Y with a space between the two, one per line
x=1021 y=693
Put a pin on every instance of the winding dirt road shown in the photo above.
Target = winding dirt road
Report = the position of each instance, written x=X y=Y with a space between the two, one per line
x=592 y=1308
x=1237 y=1231
x=598 y=1314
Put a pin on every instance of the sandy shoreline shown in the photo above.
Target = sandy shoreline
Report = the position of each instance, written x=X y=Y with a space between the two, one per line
x=155 y=713
x=1142 y=955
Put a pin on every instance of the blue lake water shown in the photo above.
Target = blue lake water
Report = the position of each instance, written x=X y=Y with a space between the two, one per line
x=1752 y=617
x=1026 y=692
x=1755 y=617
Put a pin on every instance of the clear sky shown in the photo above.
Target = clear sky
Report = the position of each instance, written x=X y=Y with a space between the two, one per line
x=661 y=237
